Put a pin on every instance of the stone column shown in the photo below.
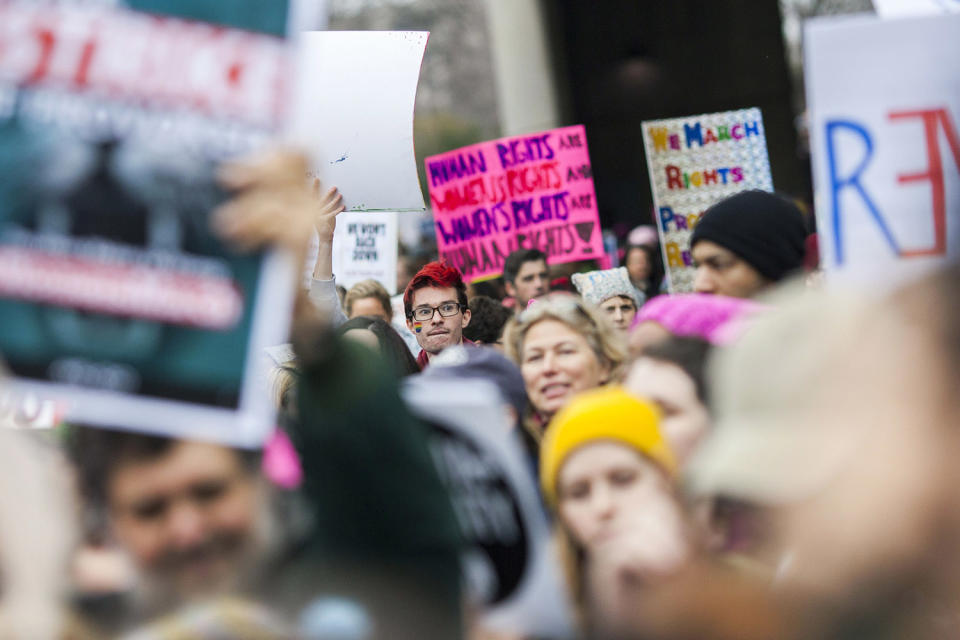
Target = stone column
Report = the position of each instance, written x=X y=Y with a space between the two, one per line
x=527 y=96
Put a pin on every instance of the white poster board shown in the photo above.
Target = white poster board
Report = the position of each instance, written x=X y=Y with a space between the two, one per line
x=885 y=139
x=511 y=572
x=695 y=162
x=353 y=114
x=902 y=8
x=364 y=247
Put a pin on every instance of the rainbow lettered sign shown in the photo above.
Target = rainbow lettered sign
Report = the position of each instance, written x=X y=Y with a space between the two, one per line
x=695 y=162
x=532 y=191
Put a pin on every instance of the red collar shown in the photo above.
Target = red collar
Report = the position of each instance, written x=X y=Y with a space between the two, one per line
x=423 y=358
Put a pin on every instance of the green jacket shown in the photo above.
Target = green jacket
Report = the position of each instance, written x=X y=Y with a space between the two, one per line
x=384 y=527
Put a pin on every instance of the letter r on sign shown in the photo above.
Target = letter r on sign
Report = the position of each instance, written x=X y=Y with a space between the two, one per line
x=838 y=184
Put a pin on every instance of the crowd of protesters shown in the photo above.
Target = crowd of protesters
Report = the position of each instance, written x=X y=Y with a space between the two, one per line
x=758 y=459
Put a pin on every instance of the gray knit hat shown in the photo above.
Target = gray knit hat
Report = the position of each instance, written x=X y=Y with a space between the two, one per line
x=597 y=286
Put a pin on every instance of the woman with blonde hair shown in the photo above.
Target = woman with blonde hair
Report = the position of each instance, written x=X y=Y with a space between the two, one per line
x=563 y=348
x=609 y=473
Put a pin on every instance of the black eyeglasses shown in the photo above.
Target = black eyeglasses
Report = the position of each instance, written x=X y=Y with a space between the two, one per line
x=447 y=309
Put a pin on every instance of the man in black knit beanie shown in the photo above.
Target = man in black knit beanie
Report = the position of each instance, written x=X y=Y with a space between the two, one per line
x=747 y=242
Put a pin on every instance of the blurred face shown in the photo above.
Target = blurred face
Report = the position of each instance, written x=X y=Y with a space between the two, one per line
x=438 y=333
x=645 y=334
x=370 y=307
x=721 y=272
x=533 y=280
x=619 y=507
x=638 y=266
x=556 y=363
x=684 y=419
x=892 y=488
x=188 y=518
x=404 y=274
x=619 y=310
x=609 y=494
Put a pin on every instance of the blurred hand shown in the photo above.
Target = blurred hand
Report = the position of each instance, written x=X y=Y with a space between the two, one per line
x=655 y=546
x=273 y=204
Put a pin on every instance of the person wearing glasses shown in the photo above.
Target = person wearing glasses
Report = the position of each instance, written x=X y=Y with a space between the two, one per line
x=435 y=303
x=612 y=293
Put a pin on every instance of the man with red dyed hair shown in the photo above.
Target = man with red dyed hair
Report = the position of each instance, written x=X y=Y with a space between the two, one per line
x=435 y=303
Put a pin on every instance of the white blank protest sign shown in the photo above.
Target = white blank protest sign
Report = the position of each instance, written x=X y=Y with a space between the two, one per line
x=901 y=8
x=885 y=140
x=353 y=114
x=365 y=246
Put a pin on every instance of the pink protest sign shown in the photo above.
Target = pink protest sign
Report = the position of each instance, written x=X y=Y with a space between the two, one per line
x=532 y=192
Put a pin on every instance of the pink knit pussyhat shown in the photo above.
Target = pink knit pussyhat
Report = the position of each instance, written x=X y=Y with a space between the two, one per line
x=716 y=319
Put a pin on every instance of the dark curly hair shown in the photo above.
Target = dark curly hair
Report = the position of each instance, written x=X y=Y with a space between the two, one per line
x=487 y=319
x=392 y=346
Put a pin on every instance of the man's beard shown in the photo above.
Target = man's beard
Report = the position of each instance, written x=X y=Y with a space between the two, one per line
x=226 y=563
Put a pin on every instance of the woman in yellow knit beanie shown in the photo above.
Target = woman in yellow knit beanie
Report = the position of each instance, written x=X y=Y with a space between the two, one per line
x=609 y=474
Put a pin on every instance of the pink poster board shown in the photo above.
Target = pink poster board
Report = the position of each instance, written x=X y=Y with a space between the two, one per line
x=532 y=192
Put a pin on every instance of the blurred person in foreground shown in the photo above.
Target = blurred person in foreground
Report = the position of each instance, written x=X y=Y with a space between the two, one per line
x=37 y=534
x=196 y=516
x=612 y=293
x=525 y=276
x=848 y=444
x=393 y=554
x=609 y=474
x=562 y=348
x=747 y=242
x=435 y=303
x=487 y=320
x=384 y=535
